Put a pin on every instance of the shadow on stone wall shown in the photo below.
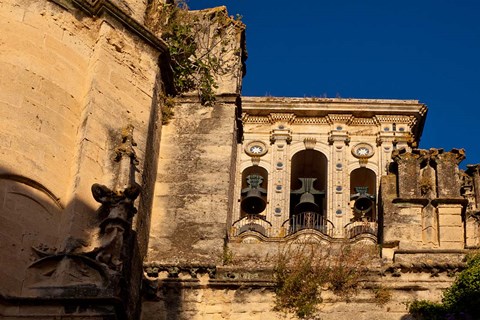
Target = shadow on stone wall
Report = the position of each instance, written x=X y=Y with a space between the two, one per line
x=44 y=270
x=172 y=297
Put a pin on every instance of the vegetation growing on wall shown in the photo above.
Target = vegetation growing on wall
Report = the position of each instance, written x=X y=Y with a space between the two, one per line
x=461 y=301
x=168 y=104
x=302 y=271
x=200 y=45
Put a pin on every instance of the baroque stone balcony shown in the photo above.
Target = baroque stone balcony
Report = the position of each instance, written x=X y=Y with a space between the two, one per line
x=304 y=221
x=252 y=222
x=309 y=220
x=356 y=228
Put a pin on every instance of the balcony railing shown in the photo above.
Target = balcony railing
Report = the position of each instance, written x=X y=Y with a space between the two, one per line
x=298 y=222
x=309 y=220
x=356 y=228
x=252 y=222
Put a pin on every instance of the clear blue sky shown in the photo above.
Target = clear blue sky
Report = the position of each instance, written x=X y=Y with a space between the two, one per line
x=428 y=50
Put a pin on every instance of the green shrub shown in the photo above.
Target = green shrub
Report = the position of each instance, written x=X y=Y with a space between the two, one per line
x=303 y=270
x=427 y=310
x=460 y=301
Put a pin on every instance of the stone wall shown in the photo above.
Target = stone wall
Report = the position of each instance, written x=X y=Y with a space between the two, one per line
x=231 y=294
x=192 y=195
x=80 y=104
x=73 y=81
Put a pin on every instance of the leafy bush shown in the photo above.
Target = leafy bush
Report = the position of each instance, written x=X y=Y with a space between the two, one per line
x=427 y=310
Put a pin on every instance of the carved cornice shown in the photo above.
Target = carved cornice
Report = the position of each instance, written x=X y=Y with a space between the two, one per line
x=363 y=121
x=281 y=117
x=153 y=269
x=311 y=120
x=340 y=118
x=246 y=118
x=394 y=119
x=330 y=119
x=96 y=8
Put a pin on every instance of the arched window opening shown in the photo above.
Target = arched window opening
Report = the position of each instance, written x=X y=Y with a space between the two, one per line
x=307 y=191
x=363 y=187
x=254 y=191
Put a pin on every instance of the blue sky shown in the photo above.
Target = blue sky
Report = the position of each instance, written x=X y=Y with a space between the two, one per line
x=428 y=50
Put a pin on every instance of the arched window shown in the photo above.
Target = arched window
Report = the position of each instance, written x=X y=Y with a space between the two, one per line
x=363 y=189
x=254 y=191
x=307 y=191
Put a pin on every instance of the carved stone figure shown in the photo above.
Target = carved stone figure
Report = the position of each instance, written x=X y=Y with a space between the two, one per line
x=116 y=215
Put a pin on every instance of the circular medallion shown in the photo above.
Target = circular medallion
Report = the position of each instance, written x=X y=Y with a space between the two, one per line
x=363 y=150
x=256 y=148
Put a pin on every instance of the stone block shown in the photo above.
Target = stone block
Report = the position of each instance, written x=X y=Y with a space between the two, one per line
x=450 y=220
x=214 y=309
x=453 y=245
x=13 y=11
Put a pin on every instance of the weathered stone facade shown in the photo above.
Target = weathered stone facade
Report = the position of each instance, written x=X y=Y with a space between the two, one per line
x=107 y=214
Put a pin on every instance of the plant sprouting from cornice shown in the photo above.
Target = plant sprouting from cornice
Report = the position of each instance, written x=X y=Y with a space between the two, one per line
x=200 y=44
x=303 y=270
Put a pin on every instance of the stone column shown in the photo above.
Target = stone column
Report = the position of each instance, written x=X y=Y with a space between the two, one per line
x=279 y=200
x=408 y=173
x=447 y=173
x=338 y=186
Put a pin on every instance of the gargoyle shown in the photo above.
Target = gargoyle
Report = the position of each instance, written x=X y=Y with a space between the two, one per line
x=115 y=213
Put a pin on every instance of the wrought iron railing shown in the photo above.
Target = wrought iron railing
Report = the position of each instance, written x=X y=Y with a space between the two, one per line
x=356 y=228
x=298 y=222
x=308 y=220
x=251 y=222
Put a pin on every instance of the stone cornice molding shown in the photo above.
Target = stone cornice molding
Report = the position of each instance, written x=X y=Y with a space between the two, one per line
x=97 y=8
x=281 y=117
x=340 y=118
x=405 y=119
x=324 y=106
x=360 y=112
x=330 y=119
x=363 y=121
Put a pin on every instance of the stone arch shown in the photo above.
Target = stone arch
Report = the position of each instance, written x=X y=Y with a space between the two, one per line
x=363 y=190
x=30 y=217
x=308 y=185
x=300 y=146
x=263 y=186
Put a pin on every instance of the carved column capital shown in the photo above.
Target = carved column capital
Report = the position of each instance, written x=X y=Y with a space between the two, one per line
x=455 y=155
x=402 y=155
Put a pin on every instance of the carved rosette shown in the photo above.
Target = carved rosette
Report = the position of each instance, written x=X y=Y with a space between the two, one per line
x=363 y=151
x=256 y=149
